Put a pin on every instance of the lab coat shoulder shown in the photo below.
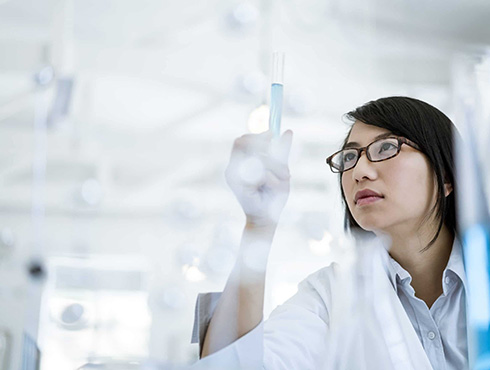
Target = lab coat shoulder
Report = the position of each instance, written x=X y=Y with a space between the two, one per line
x=297 y=332
x=314 y=295
x=295 y=336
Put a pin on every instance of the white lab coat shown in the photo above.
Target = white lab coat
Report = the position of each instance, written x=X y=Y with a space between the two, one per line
x=324 y=327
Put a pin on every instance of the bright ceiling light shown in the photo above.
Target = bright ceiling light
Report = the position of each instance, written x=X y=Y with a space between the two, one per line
x=258 y=121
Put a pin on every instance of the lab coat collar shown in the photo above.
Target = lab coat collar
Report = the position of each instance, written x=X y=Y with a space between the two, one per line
x=399 y=276
x=455 y=263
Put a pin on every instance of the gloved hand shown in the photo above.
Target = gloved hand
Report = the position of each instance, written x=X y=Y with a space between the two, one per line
x=258 y=175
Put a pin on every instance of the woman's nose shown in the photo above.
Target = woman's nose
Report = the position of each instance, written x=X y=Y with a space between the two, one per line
x=363 y=169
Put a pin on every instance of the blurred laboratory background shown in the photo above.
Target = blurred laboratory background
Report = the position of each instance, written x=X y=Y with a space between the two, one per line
x=117 y=119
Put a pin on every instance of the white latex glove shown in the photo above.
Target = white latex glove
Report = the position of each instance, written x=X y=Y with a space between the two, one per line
x=258 y=175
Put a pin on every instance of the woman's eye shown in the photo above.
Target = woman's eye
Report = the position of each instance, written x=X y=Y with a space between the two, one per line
x=349 y=157
x=387 y=146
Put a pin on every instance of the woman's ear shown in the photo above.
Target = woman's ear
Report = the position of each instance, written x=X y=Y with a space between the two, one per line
x=448 y=188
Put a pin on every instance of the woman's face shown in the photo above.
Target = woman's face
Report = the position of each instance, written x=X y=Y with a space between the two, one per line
x=406 y=184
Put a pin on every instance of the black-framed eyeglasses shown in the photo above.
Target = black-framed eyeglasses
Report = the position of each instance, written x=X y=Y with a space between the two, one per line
x=377 y=151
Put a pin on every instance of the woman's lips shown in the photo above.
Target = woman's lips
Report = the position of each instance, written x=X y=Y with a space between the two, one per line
x=367 y=200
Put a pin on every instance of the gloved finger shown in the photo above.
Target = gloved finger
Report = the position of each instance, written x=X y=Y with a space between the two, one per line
x=259 y=140
x=257 y=144
x=266 y=135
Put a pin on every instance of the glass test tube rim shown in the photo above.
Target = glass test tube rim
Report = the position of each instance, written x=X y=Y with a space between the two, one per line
x=278 y=67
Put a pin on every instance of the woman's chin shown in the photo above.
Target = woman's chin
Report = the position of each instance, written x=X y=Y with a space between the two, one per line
x=370 y=224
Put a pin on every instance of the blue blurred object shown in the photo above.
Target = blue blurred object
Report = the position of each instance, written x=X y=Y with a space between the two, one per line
x=476 y=241
x=474 y=221
x=30 y=354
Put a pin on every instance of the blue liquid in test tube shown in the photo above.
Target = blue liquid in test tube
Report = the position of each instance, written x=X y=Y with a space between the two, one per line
x=276 y=93
x=276 y=108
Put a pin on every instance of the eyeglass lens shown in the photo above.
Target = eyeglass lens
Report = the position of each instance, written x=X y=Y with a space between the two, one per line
x=376 y=151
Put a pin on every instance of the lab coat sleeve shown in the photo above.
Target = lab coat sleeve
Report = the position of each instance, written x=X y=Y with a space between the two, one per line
x=294 y=337
x=245 y=353
x=205 y=305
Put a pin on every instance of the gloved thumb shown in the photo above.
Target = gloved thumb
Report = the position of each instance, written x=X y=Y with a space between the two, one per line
x=280 y=149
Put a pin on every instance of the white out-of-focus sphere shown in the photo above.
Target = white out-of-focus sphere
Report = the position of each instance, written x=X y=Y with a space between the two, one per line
x=258 y=121
x=252 y=83
x=251 y=170
x=220 y=260
x=193 y=274
x=91 y=192
x=7 y=237
x=243 y=16
x=172 y=298
x=7 y=241
x=301 y=102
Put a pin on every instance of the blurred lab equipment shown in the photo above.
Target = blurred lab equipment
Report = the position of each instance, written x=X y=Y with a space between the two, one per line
x=474 y=216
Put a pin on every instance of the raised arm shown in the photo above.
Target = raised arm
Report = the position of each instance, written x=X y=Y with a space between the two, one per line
x=258 y=175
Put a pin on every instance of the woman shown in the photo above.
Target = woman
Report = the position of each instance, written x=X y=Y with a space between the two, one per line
x=397 y=180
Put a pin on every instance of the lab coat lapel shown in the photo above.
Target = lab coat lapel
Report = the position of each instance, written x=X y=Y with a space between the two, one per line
x=403 y=344
x=369 y=327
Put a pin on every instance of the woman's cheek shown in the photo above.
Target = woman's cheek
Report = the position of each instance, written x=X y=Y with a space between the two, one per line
x=346 y=187
x=412 y=194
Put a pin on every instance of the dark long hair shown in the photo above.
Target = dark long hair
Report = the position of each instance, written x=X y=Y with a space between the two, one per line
x=428 y=127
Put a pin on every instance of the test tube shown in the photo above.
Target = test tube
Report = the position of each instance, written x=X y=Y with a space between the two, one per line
x=276 y=93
